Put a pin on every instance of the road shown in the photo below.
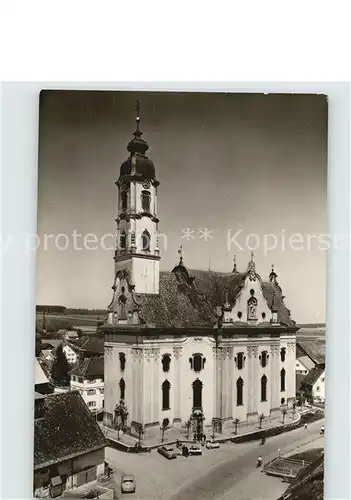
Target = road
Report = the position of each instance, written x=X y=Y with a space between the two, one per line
x=223 y=474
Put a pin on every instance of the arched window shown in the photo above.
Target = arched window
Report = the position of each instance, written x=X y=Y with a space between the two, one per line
x=166 y=361
x=239 y=391
x=166 y=387
x=282 y=380
x=145 y=241
x=122 y=389
x=124 y=200
x=264 y=358
x=122 y=361
x=240 y=361
x=264 y=388
x=197 y=394
x=123 y=240
x=282 y=354
x=145 y=201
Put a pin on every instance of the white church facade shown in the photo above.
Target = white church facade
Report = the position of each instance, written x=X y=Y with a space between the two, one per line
x=188 y=345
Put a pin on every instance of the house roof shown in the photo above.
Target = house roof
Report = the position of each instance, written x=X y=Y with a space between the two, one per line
x=40 y=377
x=192 y=301
x=314 y=349
x=306 y=361
x=89 y=367
x=88 y=343
x=312 y=377
x=51 y=342
x=67 y=429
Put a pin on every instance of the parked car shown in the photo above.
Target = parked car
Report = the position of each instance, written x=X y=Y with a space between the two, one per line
x=167 y=452
x=195 y=450
x=128 y=484
x=212 y=444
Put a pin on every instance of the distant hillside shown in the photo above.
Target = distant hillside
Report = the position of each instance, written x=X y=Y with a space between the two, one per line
x=53 y=309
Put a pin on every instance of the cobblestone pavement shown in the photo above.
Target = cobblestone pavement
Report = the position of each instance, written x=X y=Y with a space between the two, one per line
x=224 y=474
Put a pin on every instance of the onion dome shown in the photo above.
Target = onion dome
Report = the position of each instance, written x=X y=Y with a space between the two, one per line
x=138 y=164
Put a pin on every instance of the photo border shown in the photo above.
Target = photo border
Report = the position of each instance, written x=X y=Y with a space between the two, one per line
x=20 y=114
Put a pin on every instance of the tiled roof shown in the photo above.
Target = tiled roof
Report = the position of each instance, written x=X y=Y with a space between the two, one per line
x=315 y=350
x=67 y=428
x=312 y=377
x=89 y=367
x=306 y=362
x=194 y=305
x=89 y=343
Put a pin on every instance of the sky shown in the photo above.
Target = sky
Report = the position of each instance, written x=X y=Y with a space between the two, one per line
x=241 y=172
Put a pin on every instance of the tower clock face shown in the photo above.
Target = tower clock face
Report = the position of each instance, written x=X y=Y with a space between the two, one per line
x=146 y=184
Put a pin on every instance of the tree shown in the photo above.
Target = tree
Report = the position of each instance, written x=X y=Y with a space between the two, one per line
x=284 y=412
x=164 y=426
x=60 y=368
x=261 y=418
x=188 y=425
x=294 y=409
x=140 y=430
x=236 y=422
x=38 y=344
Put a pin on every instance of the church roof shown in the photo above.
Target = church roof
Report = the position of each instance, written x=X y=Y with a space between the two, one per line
x=194 y=304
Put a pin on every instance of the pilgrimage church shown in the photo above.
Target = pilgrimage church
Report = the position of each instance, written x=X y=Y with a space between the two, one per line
x=186 y=345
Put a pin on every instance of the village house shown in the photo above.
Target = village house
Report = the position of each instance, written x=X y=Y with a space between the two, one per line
x=71 y=353
x=87 y=377
x=68 y=444
x=313 y=386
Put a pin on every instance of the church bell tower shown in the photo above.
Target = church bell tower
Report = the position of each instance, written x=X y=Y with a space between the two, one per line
x=137 y=247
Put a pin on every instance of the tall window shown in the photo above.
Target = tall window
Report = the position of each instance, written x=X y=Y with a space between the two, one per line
x=197 y=394
x=282 y=354
x=122 y=361
x=166 y=361
x=282 y=380
x=197 y=362
x=166 y=387
x=122 y=389
x=145 y=201
x=123 y=240
x=145 y=241
x=264 y=388
x=264 y=359
x=124 y=200
x=239 y=391
x=240 y=361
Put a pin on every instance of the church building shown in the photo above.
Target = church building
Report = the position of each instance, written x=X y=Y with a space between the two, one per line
x=187 y=345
